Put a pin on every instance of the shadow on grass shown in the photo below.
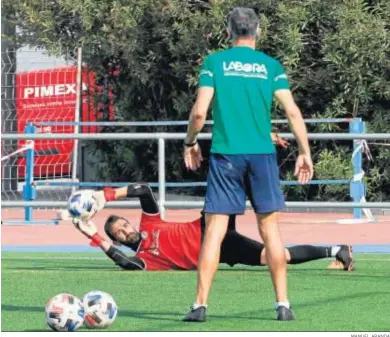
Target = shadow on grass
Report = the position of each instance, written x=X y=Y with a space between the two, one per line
x=174 y=318
x=152 y=315
x=259 y=270
x=315 y=272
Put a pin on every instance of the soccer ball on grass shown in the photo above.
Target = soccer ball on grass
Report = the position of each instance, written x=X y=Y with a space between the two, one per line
x=100 y=309
x=64 y=312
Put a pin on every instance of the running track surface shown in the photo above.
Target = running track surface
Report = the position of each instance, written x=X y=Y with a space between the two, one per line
x=296 y=228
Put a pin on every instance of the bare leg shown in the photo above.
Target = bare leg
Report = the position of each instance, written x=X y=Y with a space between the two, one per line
x=216 y=227
x=264 y=259
x=269 y=231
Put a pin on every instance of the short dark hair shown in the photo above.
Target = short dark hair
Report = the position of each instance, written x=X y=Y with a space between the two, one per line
x=242 y=22
x=108 y=226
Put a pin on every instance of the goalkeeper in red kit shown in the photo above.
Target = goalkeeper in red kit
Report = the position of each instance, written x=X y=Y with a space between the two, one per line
x=163 y=245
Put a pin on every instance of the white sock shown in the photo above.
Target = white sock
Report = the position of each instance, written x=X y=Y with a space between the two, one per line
x=282 y=304
x=334 y=250
x=196 y=306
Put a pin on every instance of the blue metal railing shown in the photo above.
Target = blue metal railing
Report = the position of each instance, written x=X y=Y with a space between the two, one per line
x=180 y=123
x=92 y=184
x=357 y=187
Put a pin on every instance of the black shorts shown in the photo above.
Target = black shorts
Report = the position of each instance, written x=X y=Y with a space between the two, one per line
x=237 y=248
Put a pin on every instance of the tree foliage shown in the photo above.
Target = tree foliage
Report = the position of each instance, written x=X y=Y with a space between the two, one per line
x=337 y=54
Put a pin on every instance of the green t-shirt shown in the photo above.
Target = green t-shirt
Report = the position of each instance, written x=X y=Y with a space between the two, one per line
x=244 y=81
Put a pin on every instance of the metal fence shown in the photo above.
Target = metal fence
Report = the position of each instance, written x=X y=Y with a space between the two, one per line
x=162 y=184
x=181 y=136
x=36 y=87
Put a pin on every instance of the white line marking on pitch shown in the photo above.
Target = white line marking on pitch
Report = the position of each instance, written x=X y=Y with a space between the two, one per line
x=106 y=258
x=387 y=260
x=60 y=258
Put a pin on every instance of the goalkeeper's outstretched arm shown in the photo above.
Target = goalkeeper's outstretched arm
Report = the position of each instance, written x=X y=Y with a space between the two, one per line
x=88 y=228
x=142 y=191
x=121 y=259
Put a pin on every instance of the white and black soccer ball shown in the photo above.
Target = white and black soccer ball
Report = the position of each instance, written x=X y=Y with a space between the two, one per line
x=82 y=205
x=100 y=309
x=64 y=312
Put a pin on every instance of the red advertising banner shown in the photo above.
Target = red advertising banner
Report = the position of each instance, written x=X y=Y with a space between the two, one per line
x=50 y=96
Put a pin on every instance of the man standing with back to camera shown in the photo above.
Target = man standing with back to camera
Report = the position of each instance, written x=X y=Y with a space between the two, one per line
x=242 y=82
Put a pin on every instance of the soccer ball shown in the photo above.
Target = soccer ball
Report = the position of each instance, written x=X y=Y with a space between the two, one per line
x=100 y=309
x=64 y=312
x=82 y=205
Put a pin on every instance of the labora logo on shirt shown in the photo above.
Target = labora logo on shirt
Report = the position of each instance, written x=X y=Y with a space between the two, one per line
x=236 y=68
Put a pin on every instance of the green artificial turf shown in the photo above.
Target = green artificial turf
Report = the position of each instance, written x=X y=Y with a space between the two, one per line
x=241 y=298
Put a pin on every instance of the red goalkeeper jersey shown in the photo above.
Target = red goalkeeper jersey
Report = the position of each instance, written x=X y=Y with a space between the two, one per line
x=169 y=245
